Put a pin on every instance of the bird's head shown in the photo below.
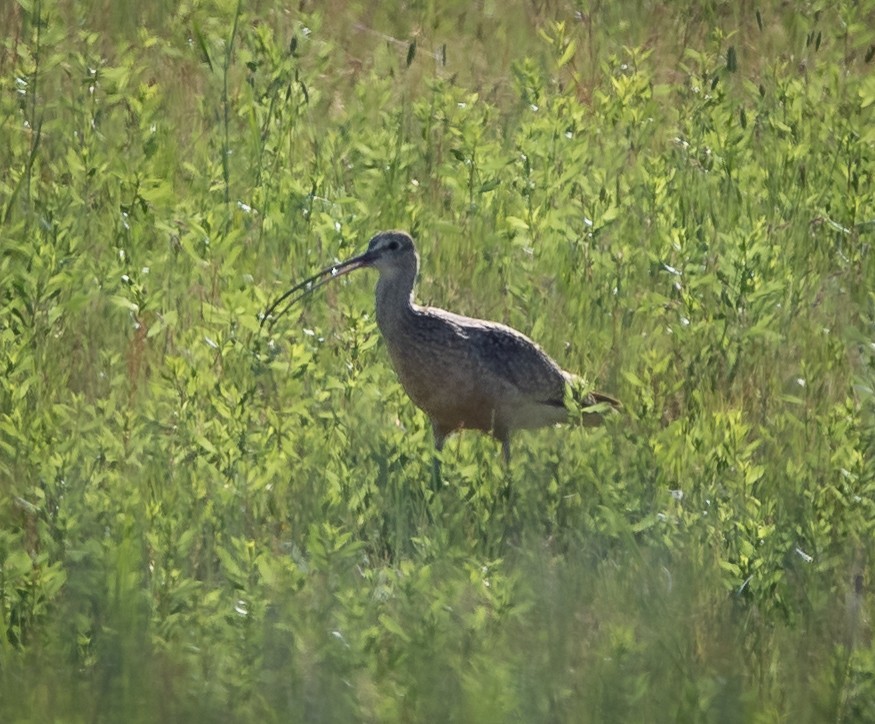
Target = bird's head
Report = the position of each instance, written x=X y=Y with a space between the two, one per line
x=389 y=252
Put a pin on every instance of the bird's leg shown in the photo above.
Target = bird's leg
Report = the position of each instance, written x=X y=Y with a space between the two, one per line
x=439 y=438
x=436 y=481
x=505 y=451
x=505 y=498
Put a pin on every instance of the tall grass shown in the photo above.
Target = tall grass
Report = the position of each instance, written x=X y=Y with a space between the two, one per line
x=200 y=520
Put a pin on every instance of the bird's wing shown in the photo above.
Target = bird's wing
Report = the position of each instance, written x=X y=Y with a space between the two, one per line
x=512 y=362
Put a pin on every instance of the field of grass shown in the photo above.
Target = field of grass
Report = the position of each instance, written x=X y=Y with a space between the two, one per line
x=201 y=520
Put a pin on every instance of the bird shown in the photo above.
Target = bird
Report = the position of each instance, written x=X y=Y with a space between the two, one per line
x=464 y=373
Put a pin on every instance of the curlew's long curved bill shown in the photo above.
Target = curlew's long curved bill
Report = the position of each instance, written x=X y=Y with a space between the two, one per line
x=311 y=284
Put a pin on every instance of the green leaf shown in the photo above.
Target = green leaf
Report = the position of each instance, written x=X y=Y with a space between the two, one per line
x=392 y=626
x=514 y=222
x=567 y=54
x=202 y=45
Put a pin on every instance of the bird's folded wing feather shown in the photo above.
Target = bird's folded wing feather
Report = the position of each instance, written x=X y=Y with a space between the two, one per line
x=511 y=360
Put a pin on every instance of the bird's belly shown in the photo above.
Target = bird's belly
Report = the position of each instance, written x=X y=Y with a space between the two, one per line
x=446 y=388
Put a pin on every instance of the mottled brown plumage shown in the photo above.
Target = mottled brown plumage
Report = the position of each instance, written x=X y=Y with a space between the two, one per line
x=463 y=373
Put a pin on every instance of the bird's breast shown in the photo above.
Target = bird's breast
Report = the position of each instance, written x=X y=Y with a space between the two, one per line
x=434 y=364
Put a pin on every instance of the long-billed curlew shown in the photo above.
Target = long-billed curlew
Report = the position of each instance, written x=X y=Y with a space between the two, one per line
x=463 y=373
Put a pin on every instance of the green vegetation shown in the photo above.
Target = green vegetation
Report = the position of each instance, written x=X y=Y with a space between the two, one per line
x=204 y=521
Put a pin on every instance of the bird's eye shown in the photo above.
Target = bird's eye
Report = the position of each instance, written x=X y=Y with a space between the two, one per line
x=392 y=246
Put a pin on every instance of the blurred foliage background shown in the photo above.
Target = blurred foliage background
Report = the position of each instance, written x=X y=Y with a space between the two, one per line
x=204 y=521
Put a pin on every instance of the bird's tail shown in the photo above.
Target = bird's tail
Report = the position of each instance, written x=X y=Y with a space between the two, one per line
x=592 y=407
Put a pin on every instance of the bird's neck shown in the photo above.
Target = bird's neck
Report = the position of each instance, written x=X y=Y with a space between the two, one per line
x=394 y=298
